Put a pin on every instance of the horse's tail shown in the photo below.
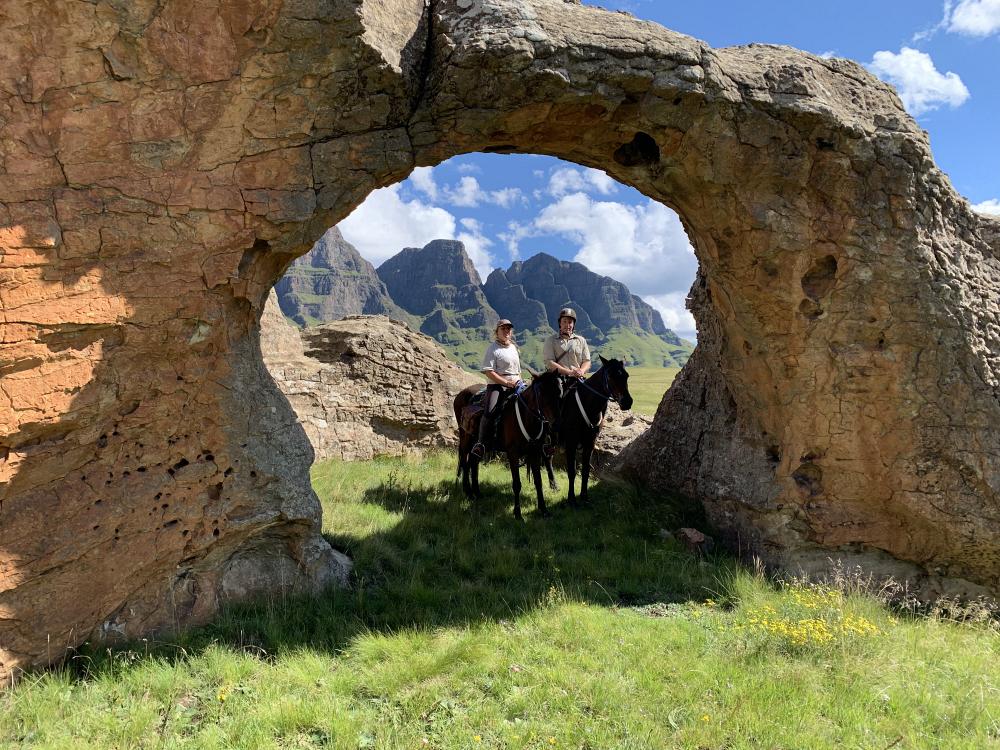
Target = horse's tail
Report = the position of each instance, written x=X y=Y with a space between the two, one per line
x=462 y=399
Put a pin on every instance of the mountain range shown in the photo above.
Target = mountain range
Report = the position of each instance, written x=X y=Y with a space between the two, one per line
x=436 y=289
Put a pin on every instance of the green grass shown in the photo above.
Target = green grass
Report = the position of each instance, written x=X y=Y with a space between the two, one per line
x=636 y=348
x=466 y=629
x=647 y=386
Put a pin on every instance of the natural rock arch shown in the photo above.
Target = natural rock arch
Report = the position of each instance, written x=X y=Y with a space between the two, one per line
x=162 y=164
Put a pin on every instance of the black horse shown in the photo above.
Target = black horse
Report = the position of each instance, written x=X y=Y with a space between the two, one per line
x=526 y=421
x=582 y=410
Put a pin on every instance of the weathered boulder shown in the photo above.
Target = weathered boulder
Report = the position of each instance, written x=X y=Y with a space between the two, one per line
x=163 y=163
x=364 y=386
x=620 y=430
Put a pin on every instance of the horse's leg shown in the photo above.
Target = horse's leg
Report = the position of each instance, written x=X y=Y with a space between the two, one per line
x=588 y=450
x=534 y=463
x=553 y=484
x=515 y=476
x=463 y=464
x=475 y=476
x=571 y=471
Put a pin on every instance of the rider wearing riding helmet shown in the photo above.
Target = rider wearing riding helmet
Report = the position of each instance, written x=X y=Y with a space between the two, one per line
x=567 y=352
x=502 y=366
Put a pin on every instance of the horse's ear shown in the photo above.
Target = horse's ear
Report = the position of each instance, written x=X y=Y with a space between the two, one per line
x=532 y=372
x=603 y=360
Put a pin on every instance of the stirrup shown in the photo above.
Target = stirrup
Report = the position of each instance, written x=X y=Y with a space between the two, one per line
x=478 y=450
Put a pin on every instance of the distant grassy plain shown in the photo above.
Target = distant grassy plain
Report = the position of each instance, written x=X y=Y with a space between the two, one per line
x=647 y=386
x=591 y=630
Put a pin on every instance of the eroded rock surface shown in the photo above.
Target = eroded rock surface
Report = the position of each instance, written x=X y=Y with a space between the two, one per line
x=364 y=386
x=163 y=163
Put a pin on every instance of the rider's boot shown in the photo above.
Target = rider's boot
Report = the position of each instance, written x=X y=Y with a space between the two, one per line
x=479 y=449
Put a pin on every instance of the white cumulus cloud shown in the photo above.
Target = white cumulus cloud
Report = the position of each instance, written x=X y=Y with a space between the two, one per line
x=674 y=313
x=423 y=181
x=921 y=86
x=476 y=245
x=990 y=207
x=385 y=223
x=975 y=17
x=468 y=194
x=569 y=180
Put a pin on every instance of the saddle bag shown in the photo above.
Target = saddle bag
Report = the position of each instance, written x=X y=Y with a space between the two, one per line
x=471 y=415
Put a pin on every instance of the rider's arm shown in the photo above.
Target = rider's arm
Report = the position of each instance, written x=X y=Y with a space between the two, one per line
x=549 y=356
x=504 y=380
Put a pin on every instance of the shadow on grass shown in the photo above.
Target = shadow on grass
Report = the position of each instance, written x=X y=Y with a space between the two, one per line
x=451 y=563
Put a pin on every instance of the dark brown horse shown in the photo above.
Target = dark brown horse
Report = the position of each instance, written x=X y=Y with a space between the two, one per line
x=523 y=425
x=581 y=415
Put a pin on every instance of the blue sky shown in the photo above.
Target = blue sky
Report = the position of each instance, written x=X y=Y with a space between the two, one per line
x=943 y=58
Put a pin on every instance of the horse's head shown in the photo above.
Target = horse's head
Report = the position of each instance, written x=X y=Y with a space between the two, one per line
x=550 y=392
x=617 y=380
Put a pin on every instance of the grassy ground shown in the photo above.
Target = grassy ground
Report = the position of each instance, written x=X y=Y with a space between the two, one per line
x=469 y=630
x=647 y=386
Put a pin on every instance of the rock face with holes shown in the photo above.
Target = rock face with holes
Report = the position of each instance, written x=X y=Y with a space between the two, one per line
x=364 y=386
x=163 y=163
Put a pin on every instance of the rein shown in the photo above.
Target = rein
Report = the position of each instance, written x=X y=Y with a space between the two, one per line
x=537 y=414
x=607 y=396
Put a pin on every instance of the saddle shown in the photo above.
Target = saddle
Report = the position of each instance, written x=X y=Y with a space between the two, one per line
x=476 y=409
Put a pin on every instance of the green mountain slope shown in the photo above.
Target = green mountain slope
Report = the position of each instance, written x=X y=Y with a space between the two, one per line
x=437 y=290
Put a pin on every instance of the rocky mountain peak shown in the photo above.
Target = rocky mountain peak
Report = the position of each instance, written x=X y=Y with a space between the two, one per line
x=330 y=282
x=438 y=275
x=602 y=304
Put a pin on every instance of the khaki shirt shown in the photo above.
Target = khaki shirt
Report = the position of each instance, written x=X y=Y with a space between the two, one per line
x=577 y=351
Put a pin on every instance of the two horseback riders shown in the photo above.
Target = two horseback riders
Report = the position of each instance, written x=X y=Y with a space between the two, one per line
x=567 y=359
x=565 y=352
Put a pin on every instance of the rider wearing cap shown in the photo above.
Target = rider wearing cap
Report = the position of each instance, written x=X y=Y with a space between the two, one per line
x=567 y=352
x=502 y=366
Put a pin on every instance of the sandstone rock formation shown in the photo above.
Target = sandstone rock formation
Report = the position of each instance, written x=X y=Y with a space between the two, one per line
x=163 y=163
x=620 y=430
x=330 y=282
x=364 y=386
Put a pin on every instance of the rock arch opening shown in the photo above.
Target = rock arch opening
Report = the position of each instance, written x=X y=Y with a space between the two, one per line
x=446 y=253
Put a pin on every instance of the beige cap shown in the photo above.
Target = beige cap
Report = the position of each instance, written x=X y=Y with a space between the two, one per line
x=503 y=322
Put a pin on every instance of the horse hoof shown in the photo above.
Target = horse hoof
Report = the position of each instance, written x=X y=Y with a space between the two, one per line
x=553 y=486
